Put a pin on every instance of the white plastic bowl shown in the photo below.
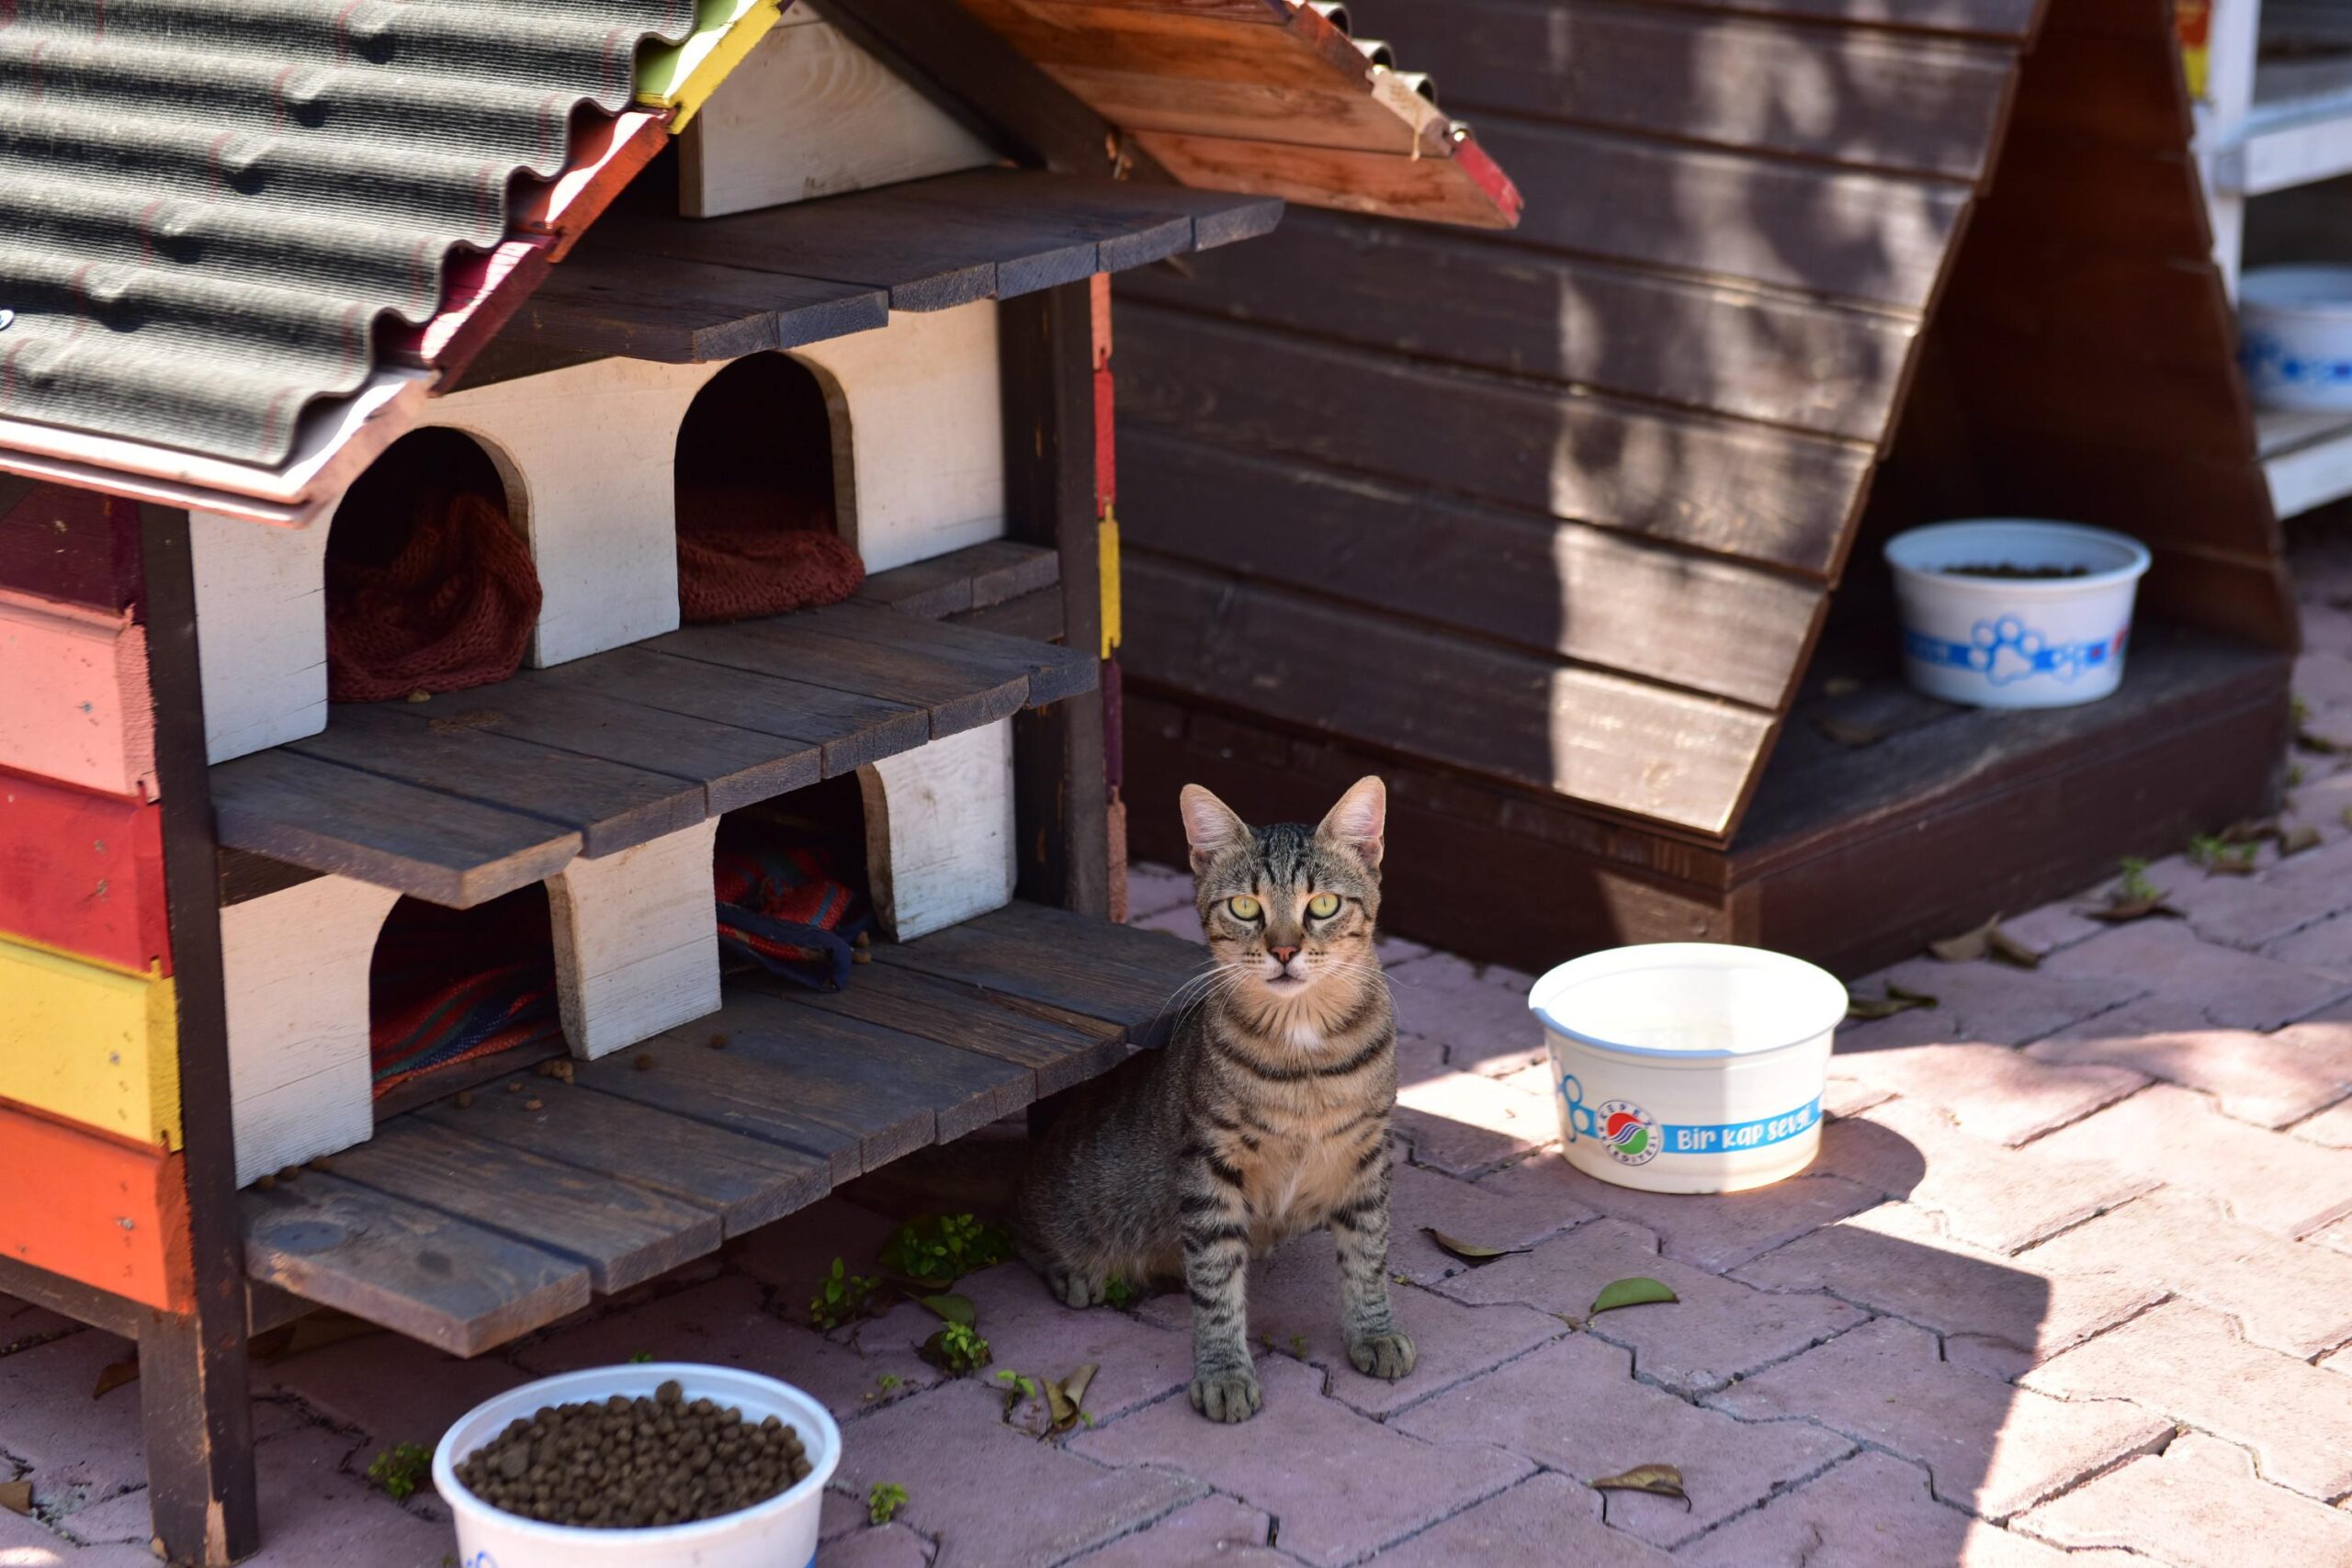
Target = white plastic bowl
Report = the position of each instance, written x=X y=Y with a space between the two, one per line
x=778 y=1533
x=2295 y=336
x=1685 y=1067
x=2002 y=642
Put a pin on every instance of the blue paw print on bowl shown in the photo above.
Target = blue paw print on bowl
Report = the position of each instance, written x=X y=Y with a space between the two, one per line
x=2264 y=355
x=2004 y=649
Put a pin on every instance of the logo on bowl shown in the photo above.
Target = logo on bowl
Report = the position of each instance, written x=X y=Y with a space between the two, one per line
x=2004 y=648
x=1629 y=1132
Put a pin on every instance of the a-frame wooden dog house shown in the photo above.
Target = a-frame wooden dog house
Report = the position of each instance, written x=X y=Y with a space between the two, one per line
x=1574 y=531
x=884 y=307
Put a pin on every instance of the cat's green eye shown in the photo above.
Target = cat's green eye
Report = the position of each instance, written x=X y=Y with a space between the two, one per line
x=1244 y=907
x=1323 y=906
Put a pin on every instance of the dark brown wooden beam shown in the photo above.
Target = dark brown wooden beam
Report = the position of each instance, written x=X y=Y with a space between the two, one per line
x=70 y=1298
x=1061 y=790
x=196 y=1410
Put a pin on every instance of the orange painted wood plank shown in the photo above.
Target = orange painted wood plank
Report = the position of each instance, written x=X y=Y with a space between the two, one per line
x=82 y=873
x=607 y=155
x=60 y=542
x=76 y=707
x=90 y=1045
x=107 y=1213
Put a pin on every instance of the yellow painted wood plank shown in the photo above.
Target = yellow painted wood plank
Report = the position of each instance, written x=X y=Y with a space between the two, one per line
x=1107 y=534
x=90 y=1044
x=683 y=77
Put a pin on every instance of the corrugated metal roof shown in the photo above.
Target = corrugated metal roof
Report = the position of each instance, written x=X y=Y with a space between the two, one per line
x=205 y=206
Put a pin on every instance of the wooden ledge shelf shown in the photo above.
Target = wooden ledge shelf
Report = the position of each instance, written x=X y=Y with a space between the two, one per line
x=647 y=285
x=475 y=793
x=468 y=1227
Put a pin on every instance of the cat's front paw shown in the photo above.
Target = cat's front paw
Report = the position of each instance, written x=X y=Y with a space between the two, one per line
x=1227 y=1395
x=1073 y=1289
x=1389 y=1356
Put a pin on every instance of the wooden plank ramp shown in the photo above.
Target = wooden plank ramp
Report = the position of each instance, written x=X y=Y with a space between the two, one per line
x=476 y=794
x=466 y=1224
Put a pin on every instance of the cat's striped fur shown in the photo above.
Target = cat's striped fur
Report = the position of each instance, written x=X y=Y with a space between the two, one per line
x=1266 y=1115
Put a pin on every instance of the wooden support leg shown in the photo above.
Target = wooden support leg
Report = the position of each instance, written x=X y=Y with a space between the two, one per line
x=198 y=1414
x=1061 y=789
x=636 y=941
x=198 y=1420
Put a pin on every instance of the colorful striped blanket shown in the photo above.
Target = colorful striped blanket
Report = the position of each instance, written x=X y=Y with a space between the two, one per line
x=448 y=986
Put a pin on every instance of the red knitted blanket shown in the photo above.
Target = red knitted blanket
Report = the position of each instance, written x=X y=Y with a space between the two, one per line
x=452 y=609
x=738 y=559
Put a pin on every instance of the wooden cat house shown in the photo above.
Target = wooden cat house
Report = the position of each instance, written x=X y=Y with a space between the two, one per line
x=1574 y=531
x=377 y=294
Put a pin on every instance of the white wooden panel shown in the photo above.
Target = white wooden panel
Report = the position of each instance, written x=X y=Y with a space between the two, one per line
x=261 y=616
x=636 y=940
x=926 y=432
x=939 y=832
x=2306 y=456
x=588 y=453
x=809 y=113
x=295 y=964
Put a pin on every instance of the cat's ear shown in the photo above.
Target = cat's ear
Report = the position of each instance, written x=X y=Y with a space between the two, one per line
x=1359 y=819
x=1210 y=826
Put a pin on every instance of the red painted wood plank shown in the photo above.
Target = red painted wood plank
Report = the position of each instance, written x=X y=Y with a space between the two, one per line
x=1106 y=466
x=75 y=545
x=607 y=156
x=105 y=1212
x=482 y=292
x=82 y=873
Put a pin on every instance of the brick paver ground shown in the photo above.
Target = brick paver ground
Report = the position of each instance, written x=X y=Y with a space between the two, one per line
x=2070 y=1284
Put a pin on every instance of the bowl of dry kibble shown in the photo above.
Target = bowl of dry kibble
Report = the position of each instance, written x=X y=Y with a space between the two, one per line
x=662 y=1465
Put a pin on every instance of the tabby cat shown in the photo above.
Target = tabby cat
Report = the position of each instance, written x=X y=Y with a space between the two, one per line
x=1266 y=1114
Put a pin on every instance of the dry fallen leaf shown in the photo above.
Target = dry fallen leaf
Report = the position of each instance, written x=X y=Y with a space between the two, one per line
x=951 y=1308
x=2295 y=841
x=1657 y=1480
x=16 y=1496
x=1066 y=1401
x=2318 y=745
x=1470 y=1252
x=1846 y=732
x=115 y=1375
x=2126 y=909
x=1987 y=940
x=1635 y=1292
x=1898 y=999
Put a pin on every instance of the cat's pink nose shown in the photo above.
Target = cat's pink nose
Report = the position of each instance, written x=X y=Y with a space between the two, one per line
x=1282 y=955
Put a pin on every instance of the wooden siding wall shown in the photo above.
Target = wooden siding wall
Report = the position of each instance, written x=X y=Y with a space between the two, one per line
x=1563 y=509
